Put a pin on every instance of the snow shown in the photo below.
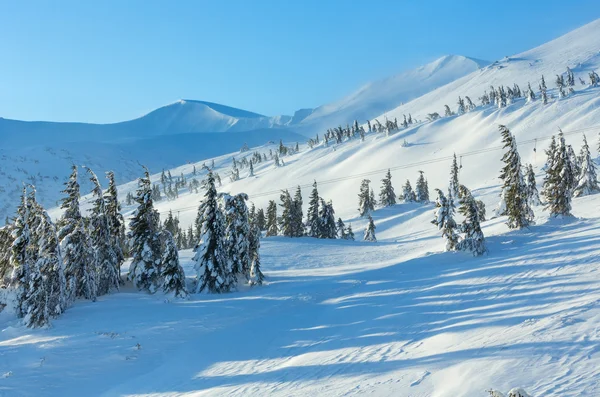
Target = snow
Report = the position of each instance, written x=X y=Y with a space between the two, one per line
x=340 y=318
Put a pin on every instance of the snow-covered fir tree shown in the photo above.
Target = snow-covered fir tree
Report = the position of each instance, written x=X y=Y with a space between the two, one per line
x=106 y=260
x=327 y=225
x=587 y=182
x=365 y=199
x=421 y=189
x=533 y=197
x=575 y=166
x=530 y=94
x=260 y=219
x=349 y=235
x=444 y=220
x=408 y=195
x=454 y=184
x=21 y=256
x=213 y=272
x=461 y=106
x=172 y=275
x=271 y=221
x=144 y=239
x=312 y=215
x=558 y=181
x=514 y=200
x=341 y=229
x=473 y=240
x=370 y=231
x=447 y=111
x=297 y=214
x=251 y=172
x=256 y=275
x=237 y=235
x=75 y=244
x=286 y=218
x=387 y=196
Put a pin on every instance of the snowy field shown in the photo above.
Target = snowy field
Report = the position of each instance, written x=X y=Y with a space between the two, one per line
x=338 y=318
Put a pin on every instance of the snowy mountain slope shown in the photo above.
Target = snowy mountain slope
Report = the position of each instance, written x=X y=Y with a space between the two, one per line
x=381 y=96
x=579 y=50
x=46 y=166
x=339 y=318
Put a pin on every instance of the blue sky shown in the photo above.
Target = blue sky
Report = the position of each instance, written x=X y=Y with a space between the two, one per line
x=112 y=60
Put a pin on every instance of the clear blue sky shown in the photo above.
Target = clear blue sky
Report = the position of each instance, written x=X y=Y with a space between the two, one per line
x=112 y=60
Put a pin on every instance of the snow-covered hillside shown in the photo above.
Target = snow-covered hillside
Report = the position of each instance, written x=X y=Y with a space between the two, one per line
x=398 y=317
x=381 y=96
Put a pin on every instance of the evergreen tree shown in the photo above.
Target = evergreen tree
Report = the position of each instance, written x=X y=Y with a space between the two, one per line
x=365 y=199
x=260 y=219
x=75 y=245
x=370 y=231
x=575 y=166
x=297 y=214
x=237 y=234
x=271 y=223
x=256 y=275
x=387 y=196
x=515 y=203
x=104 y=255
x=587 y=182
x=444 y=220
x=461 y=106
x=251 y=173
x=341 y=229
x=286 y=218
x=349 y=233
x=558 y=181
x=530 y=93
x=21 y=258
x=144 y=238
x=533 y=196
x=421 y=189
x=210 y=262
x=447 y=111
x=312 y=215
x=474 y=240
x=116 y=222
x=171 y=271
x=408 y=195
x=453 y=185
x=327 y=225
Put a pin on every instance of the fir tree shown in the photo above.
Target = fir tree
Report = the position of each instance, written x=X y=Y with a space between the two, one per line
x=575 y=166
x=210 y=262
x=286 y=218
x=530 y=94
x=312 y=215
x=116 y=222
x=171 y=271
x=327 y=225
x=447 y=111
x=75 y=245
x=473 y=241
x=21 y=258
x=558 y=181
x=106 y=260
x=251 y=173
x=365 y=200
x=237 y=234
x=515 y=203
x=444 y=220
x=461 y=106
x=349 y=233
x=387 y=196
x=297 y=214
x=144 y=238
x=271 y=223
x=587 y=182
x=408 y=195
x=256 y=275
x=370 y=231
x=421 y=189
x=533 y=196
x=260 y=219
x=341 y=229
x=453 y=185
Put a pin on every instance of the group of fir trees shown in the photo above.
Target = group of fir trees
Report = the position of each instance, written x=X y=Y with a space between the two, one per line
x=227 y=252
x=48 y=265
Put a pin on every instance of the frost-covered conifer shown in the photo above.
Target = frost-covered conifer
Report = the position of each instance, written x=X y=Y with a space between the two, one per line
x=341 y=229
x=408 y=195
x=144 y=239
x=75 y=245
x=312 y=215
x=365 y=199
x=105 y=258
x=251 y=172
x=256 y=276
x=530 y=94
x=171 y=271
x=116 y=222
x=237 y=234
x=260 y=219
x=587 y=182
x=349 y=233
x=473 y=239
x=453 y=184
x=421 y=189
x=447 y=111
x=297 y=214
x=286 y=218
x=370 y=231
x=461 y=106
x=210 y=261
x=558 y=181
x=533 y=196
x=444 y=220
x=470 y=105
x=327 y=226
x=514 y=200
x=21 y=257
x=387 y=196
x=271 y=222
